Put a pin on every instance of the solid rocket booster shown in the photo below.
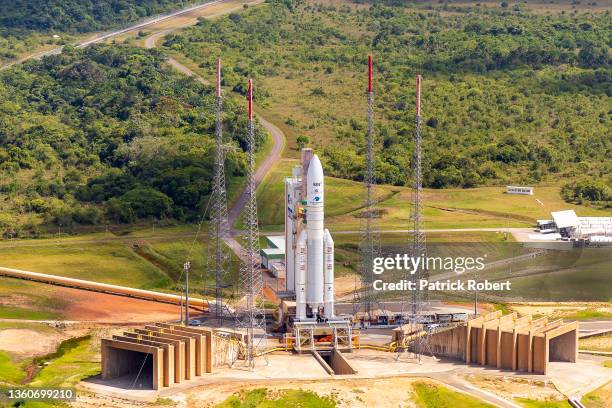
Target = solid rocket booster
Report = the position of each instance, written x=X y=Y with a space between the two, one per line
x=314 y=251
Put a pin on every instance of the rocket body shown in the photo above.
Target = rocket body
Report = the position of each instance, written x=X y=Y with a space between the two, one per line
x=315 y=215
x=313 y=262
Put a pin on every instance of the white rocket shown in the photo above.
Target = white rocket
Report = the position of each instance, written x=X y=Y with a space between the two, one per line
x=313 y=263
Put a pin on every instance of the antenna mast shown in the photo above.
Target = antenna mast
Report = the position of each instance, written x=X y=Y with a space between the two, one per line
x=251 y=279
x=417 y=304
x=370 y=236
x=220 y=226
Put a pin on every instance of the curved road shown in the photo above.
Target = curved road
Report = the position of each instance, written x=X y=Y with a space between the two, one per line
x=112 y=34
x=263 y=168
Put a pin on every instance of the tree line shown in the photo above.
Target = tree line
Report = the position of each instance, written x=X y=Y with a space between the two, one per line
x=109 y=134
x=511 y=96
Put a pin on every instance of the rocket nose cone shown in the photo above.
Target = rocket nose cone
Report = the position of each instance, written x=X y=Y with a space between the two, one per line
x=315 y=169
x=315 y=182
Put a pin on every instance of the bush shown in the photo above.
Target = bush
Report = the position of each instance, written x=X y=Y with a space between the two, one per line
x=139 y=203
x=588 y=191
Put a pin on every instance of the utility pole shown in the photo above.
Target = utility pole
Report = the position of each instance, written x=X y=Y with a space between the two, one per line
x=187 y=266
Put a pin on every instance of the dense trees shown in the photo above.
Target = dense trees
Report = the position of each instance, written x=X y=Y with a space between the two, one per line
x=511 y=96
x=588 y=191
x=28 y=24
x=109 y=133
x=79 y=15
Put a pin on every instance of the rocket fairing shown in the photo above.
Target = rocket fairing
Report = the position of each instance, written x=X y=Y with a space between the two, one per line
x=313 y=253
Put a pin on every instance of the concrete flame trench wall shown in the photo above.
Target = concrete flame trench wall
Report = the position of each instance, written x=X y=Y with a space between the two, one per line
x=161 y=355
x=509 y=342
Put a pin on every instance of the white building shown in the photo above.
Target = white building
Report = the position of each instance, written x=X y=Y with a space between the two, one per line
x=519 y=190
x=569 y=225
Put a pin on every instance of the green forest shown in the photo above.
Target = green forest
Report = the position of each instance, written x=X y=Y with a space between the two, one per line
x=108 y=134
x=79 y=15
x=27 y=24
x=509 y=95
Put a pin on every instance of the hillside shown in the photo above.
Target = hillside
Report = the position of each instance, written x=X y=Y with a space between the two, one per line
x=26 y=25
x=108 y=134
x=511 y=95
x=79 y=16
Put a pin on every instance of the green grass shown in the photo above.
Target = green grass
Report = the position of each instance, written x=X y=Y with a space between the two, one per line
x=10 y=372
x=600 y=398
x=529 y=403
x=484 y=207
x=430 y=395
x=7 y=312
x=505 y=309
x=171 y=255
x=576 y=275
x=588 y=314
x=259 y=398
x=597 y=343
x=107 y=262
x=342 y=196
x=74 y=360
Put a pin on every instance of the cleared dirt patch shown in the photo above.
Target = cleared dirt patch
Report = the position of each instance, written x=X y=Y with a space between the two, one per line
x=85 y=305
x=382 y=393
x=25 y=342
x=515 y=387
x=80 y=305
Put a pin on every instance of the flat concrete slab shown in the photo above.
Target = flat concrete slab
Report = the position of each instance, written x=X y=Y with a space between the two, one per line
x=580 y=377
x=122 y=387
x=371 y=363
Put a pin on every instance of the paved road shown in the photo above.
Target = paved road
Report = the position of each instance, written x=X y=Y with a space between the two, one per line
x=263 y=168
x=112 y=34
x=405 y=231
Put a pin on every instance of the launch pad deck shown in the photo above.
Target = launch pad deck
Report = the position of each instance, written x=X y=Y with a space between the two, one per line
x=323 y=336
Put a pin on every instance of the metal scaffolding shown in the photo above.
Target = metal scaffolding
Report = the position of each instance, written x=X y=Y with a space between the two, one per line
x=370 y=235
x=415 y=306
x=252 y=316
x=220 y=226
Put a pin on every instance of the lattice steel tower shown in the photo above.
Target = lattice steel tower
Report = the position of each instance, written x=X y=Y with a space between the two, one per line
x=416 y=304
x=220 y=225
x=252 y=317
x=370 y=236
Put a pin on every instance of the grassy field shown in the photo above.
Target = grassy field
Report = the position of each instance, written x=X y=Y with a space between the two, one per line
x=597 y=343
x=7 y=312
x=107 y=262
x=260 y=398
x=429 y=395
x=528 y=403
x=142 y=257
x=10 y=372
x=562 y=276
x=75 y=359
x=484 y=207
x=600 y=398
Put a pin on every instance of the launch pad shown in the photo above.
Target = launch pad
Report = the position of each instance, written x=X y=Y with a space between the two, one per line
x=331 y=335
